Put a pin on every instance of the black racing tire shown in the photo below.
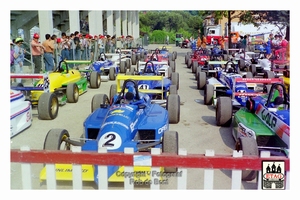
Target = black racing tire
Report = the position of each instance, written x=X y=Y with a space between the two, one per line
x=173 y=56
x=56 y=140
x=249 y=75
x=128 y=64
x=95 y=79
x=173 y=89
x=173 y=107
x=252 y=69
x=112 y=74
x=175 y=53
x=48 y=106
x=197 y=70
x=112 y=91
x=201 y=81
x=208 y=94
x=269 y=74
x=134 y=59
x=194 y=66
x=173 y=66
x=122 y=66
x=186 y=58
x=224 y=111
x=98 y=100
x=249 y=148
x=170 y=145
x=189 y=63
x=175 y=79
x=72 y=93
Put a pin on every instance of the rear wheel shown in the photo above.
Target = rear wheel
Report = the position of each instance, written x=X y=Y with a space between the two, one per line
x=98 y=100
x=173 y=107
x=208 y=94
x=173 y=89
x=194 y=66
x=170 y=145
x=133 y=59
x=48 y=106
x=269 y=74
x=249 y=148
x=95 y=80
x=112 y=73
x=175 y=79
x=112 y=92
x=122 y=66
x=189 y=63
x=223 y=111
x=72 y=93
x=201 y=81
x=56 y=140
x=172 y=65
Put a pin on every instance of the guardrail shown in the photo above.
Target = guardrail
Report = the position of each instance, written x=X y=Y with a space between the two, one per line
x=208 y=161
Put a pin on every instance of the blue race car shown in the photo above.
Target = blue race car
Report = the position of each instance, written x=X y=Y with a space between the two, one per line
x=169 y=82
x=130 y=120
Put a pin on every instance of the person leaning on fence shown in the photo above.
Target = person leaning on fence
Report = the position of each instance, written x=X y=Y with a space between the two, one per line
x=18 y=57
x=37 y=50
x=48 y=53
x=65 y=46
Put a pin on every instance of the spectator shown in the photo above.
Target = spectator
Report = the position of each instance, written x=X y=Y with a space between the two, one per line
x=49 y=53
x=72 y=46
x=37 y=50
x=77 y=45
x=167 y=40
x=65 y=47
x=199 y=42
x=18 y=57
x=113 y=44
x=222 y=44
x=268 y=46
x=101 y=42
x=204 y=41
x=56 y=51
x=85 y=47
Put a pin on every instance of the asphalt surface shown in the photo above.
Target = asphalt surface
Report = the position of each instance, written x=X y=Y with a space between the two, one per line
x=197 y=133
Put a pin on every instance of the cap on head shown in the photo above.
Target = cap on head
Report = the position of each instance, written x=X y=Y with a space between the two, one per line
x=19 y=39
x=36 y=36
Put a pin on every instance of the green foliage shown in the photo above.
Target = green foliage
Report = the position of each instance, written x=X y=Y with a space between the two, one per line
x=159 y=24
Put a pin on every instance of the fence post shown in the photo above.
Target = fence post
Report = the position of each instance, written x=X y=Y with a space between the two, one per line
x=26 y=172
x=182 y=180
x=263 y=154
x=50 y=176
x=77 y=171
x=236 y=176
x=102 y=172
x=128 y=169
x=154 y=151
x=209 y=173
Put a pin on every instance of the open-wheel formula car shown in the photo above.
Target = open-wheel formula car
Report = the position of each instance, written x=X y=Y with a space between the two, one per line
x=263 y=124
x=56 y=88
x=20 y=113
x=161 y=55
x=130 y=120
x=198 y=59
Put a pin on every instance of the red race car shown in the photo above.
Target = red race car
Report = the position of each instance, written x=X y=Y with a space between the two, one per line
x=198 y=58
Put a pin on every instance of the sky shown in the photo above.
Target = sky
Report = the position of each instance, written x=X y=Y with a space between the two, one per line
x=150 y=5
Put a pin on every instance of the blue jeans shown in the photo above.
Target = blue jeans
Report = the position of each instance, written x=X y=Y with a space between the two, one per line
x=18 y=70
x=65 y=54
x=78 y=54
x=49 y=62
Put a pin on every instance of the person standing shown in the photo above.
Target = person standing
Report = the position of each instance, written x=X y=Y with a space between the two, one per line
x=167 y=40
x=37 y=50
x=18 y=57
x=77 y=45
x=204 y=41
x=65 y=46
x=49 y=53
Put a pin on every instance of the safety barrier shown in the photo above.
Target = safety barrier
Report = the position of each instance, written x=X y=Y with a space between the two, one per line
x=130 y=159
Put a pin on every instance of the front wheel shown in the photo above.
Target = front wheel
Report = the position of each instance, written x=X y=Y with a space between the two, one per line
x=170 y=145
x=48 y=106
x=223 y=111
x=72 y=93
x=56 y=139
x=99 y=100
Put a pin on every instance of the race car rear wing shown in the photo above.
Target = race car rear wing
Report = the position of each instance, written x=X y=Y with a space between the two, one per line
x=254 y=80
x=45 y=87
x=121 y=78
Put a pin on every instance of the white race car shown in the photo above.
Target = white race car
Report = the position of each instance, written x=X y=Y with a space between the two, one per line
x=20 y=113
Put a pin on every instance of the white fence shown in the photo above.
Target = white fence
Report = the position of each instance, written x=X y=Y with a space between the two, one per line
x=235 y=162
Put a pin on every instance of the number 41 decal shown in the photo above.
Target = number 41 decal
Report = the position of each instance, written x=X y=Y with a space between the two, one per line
x=110 y=140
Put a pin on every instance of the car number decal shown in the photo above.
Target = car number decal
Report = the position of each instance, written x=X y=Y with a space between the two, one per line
x=143 y=87
x=110 y=140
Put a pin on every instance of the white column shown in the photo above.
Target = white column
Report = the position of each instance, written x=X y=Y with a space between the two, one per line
x=95 y=22
x=110 y=24
x=137 y=25
x=118 y=22
x=124 y=23
x=45 y=23
x=74 y=21
x=129 y=22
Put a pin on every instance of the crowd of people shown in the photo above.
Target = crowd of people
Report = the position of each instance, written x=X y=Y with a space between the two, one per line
x=52 y=49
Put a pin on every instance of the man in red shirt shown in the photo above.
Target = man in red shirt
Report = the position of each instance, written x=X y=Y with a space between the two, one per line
x=37 y=50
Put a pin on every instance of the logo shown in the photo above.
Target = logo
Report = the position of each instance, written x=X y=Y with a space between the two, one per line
x=117 y=111
x=273 y=177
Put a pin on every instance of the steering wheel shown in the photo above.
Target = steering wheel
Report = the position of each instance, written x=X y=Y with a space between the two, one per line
x=233 y=67
x=60 y=68
x=149 y=67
